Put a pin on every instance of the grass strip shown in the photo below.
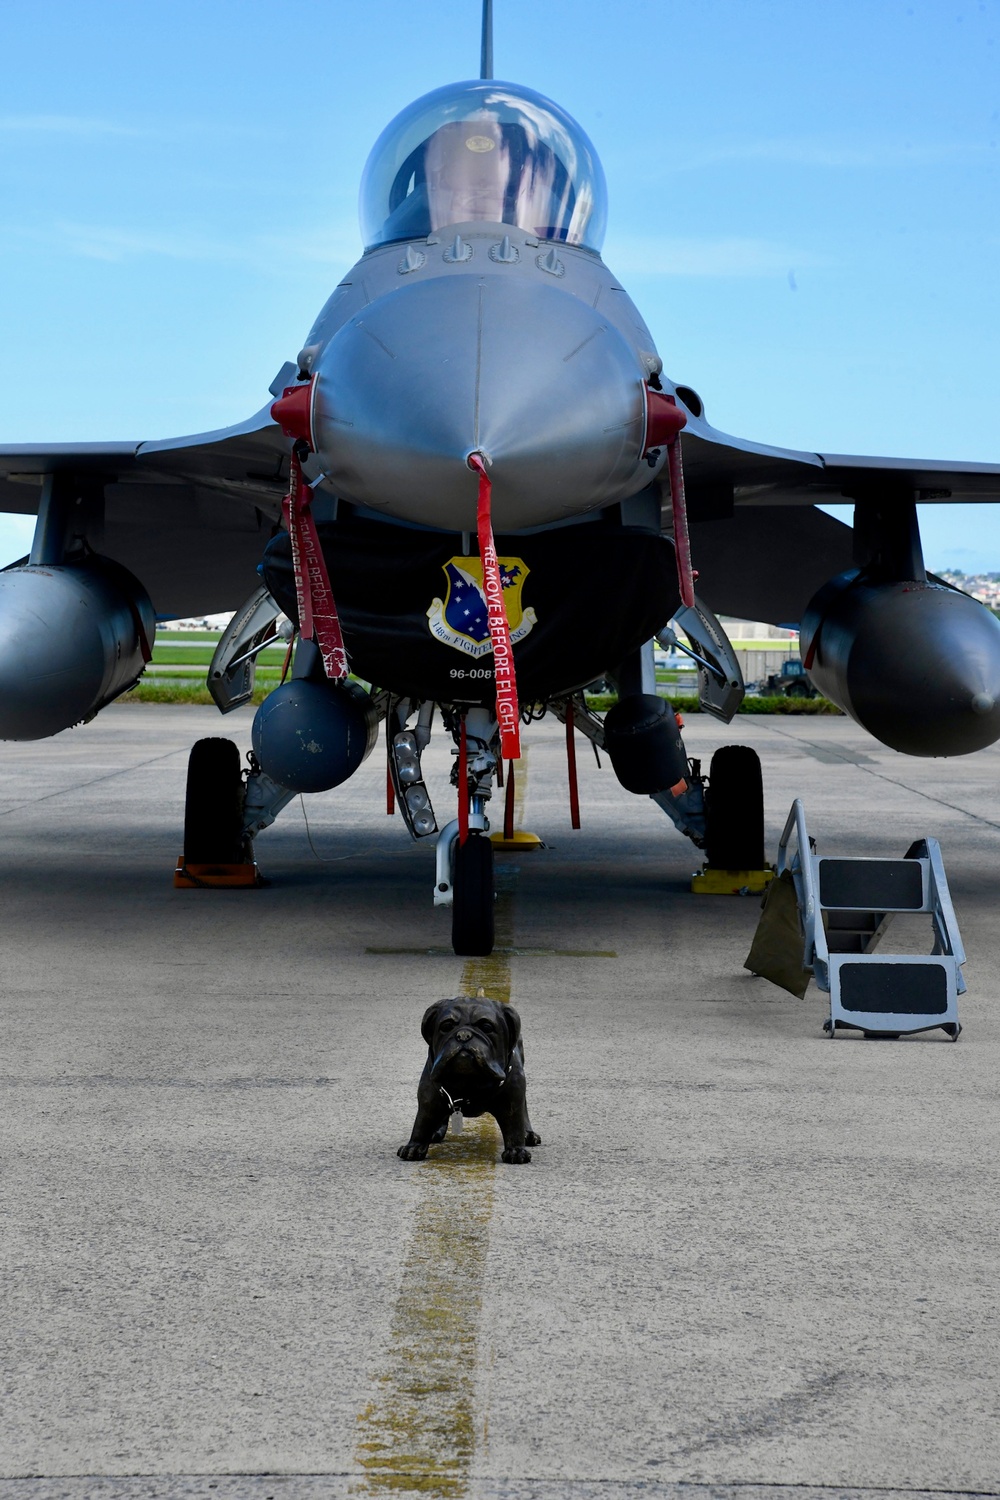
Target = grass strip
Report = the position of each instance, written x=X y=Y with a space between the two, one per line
x=156 y=690
x=195 y=656
x=270 y=675
x=777 y=704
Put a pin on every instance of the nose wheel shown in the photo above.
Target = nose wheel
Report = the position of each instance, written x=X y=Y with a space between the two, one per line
x=472 y=933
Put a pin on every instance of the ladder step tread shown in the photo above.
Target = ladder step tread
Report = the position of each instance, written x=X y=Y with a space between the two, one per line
x=871 y=884
x=909 y=987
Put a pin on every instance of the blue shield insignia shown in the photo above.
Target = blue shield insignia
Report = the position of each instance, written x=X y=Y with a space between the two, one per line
x=460 y=618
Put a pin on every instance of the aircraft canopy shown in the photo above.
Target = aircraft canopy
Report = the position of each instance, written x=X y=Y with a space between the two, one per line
x=485 y=151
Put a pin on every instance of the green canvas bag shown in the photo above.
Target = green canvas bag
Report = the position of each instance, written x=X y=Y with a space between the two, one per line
x=776 y=950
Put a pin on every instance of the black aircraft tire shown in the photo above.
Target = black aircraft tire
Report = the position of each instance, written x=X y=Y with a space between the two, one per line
x=213 y=807
x=734 y=810
x=472 y=897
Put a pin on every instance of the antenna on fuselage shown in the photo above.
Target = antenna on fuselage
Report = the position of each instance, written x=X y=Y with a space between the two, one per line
x=486 y=50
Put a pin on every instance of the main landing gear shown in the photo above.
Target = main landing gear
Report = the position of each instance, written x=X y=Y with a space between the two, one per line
x=227 y=805
x=224 y=809
x=734 y=810
x=213 y=805
x=218 y=843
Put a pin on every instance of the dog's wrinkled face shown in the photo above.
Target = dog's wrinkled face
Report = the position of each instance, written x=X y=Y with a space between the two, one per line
x=470 y=1037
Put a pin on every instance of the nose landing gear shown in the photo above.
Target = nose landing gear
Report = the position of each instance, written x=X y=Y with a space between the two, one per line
x=473 y=897
x=464 y=863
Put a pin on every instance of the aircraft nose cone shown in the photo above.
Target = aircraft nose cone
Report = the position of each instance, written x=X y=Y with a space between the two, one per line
x=521 y=371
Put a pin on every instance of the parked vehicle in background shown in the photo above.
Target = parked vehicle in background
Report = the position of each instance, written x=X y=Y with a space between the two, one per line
x=792 y=680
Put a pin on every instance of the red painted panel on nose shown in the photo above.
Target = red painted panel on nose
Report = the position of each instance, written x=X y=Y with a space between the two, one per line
x=664 y=419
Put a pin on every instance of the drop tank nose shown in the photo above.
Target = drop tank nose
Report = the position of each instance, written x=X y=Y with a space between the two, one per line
x=916 y=664
x=71 y=639
x=527 y=374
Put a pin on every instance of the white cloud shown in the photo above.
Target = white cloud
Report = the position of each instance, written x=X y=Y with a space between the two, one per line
x=106 y=242
x=88 y=127
x=656 y=255
x=62 y=125
x=334 y=245
x=824 y=152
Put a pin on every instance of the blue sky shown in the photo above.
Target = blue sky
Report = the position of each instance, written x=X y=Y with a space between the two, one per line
x=805 y=204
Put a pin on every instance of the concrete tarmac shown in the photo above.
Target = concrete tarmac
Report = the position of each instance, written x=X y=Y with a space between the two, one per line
x=745 y=1259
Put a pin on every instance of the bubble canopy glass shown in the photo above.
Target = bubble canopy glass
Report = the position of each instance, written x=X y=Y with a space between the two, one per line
x=485 y=151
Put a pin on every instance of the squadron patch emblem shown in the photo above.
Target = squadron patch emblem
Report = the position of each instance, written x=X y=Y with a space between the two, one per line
x=460 y=618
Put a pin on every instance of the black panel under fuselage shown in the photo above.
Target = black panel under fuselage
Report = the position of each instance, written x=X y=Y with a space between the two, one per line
x=597 y=592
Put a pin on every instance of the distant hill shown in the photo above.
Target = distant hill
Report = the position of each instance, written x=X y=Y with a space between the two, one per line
x=984 y=586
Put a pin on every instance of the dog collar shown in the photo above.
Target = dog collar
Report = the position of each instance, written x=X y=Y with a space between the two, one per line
x=456 y=1104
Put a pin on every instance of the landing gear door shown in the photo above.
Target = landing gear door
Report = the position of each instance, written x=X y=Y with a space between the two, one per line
x=720 y=681
x=234 y=665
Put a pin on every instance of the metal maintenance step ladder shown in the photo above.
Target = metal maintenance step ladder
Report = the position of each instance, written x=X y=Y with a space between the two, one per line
x=845 y=907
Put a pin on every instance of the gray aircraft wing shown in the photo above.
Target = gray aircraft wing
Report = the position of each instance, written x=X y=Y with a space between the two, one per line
x=761 y=547
x=722 y=471
x=767 y=562
x=189 y=516
x=242 y=459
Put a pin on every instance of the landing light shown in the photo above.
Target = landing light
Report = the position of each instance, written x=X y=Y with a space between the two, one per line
x=417 y=799
x=407 y=757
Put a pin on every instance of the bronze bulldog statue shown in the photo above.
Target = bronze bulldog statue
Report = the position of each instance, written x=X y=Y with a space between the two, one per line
x=475 y=1066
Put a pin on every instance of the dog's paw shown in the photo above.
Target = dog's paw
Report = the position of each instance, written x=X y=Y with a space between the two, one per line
x=532 y=1138
x=516 y=1156
x=412 y=1151
x=439 y=1134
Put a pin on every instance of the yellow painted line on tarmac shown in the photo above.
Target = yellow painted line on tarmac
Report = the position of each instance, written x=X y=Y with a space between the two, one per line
x=418 y=1433
x=501 y=952
x=492 y=973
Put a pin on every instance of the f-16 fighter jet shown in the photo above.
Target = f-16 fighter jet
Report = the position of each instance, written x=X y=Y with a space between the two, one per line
x=472 y=493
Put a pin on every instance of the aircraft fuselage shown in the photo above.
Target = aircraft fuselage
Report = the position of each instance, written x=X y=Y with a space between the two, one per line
x=480 y=338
